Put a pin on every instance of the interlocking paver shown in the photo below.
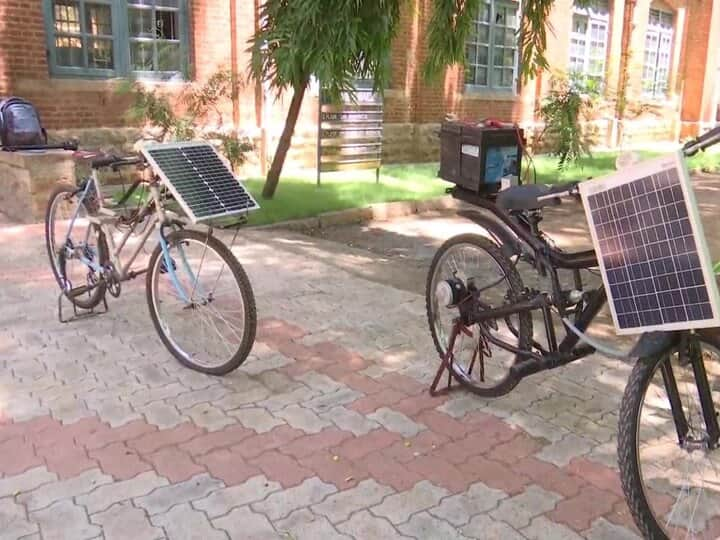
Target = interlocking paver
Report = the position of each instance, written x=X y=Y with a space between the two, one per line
x=562 y=452
x=244 y=523
x=483 y=527
x=396 y=421
x=303 y=419
x=204 y=395
x=349 y=420
x=257 y=419
x=339 y=506
x=103 y=497
x=122 y=521
x=118 y=460
x=458 y=509
x=604 y=530
x=518 y=511
x=163 y=498
x=48 y=494
x=280 y=504
x=25 y=482
x=324 y=402
x=399 y=507
x=364 y=525
x=64 y=520
x=304 y=525
x=423 y=525
x=162 y=415
x=542 y=528
x=223 y=500
x=13 y=521
x=182 y=522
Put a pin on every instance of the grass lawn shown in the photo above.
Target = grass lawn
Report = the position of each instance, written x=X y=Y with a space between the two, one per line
x=298 y=195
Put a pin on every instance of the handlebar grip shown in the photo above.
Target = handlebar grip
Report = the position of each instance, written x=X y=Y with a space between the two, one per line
x=702 y=142
x=106 y=161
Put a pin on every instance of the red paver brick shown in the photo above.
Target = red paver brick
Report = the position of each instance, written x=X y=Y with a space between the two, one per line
x=340 y=472
x=29 y=429
x=358 y=447
x=119 y=461
x=227 y=466
x=403 y=383
x=218 y=439
x=371 y=403
x=277 y=437
x=414 y=405
x=361 y=383
x=16 y=456
x=339 y=355
x=515 y=449
x=309 y=444
x=154 y=441
x=580 y=511
x=440 y=473
x=68 y=461
x=443 y=423
x=620 y=515
x=494 y=474
x=104 y=436
x=281 y=468
x=459 y=451
x=389 y=472
x=596 y=474
x=271 y=329
x=298 y=351
x=490 y=426
x=549 y=476
x=423 y=443
x=174 y=464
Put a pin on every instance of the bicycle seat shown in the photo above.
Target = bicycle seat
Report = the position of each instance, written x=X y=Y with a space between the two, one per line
x=526 y=197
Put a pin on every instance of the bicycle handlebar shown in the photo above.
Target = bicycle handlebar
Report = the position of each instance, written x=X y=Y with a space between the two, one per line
x=115 y=162
x=706 y=140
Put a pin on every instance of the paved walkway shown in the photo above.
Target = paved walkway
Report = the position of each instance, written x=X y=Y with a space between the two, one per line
x=327 y=431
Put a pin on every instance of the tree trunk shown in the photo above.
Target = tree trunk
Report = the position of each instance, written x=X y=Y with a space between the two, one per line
x=273 y=177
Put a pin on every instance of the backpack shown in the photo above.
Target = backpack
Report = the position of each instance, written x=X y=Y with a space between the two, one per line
x=20 y=124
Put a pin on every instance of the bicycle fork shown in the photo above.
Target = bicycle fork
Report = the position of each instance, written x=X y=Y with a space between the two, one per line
x=690 y=352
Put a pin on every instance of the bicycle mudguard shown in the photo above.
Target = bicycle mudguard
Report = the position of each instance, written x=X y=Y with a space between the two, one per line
x=502 y=235
x=654 y=344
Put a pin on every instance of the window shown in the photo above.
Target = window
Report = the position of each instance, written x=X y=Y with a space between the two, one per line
x=116 y=38
x=658 y=54
x=492 y=47
x=589 y=41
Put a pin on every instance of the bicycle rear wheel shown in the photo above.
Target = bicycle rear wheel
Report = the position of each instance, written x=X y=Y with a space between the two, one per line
x=201 y=302
x=477 y=263
x=672 y=488
x=82 y=285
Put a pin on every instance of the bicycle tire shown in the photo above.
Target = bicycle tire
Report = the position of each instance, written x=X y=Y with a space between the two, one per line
x=516 y=287
x=628 y=439
x=243 y=282
x=98 y=293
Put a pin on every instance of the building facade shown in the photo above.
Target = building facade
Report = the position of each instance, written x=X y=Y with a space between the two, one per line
x=69 y=57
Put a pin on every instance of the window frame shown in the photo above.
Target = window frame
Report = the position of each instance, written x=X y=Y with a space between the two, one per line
x=660 y=32
x=592 y=16
x=121 y=41
x=491 y=87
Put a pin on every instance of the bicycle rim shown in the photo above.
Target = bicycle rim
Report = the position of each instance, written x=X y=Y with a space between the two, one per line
x=200 y=307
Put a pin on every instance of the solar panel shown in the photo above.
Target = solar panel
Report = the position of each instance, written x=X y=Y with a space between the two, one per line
x=199 y=180
x=654 y=259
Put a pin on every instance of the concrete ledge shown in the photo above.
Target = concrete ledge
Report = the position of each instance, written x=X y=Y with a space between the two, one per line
x=374 y=212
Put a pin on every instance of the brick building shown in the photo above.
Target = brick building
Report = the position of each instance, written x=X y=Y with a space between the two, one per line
x=68 y=56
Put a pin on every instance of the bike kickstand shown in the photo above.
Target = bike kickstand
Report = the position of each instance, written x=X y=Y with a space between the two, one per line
x=446 y=363
x=78 y=315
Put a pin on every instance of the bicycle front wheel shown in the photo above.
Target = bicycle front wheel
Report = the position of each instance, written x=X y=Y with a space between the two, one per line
x=671 y=481
x=201 y=302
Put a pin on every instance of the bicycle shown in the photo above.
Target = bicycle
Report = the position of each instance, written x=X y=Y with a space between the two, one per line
x=208 y=324
x=480 y=317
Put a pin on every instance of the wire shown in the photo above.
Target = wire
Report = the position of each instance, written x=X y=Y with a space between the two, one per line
x=605 y=349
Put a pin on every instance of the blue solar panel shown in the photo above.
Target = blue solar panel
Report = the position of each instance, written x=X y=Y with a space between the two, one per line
x=200 y=180
x=653 y=255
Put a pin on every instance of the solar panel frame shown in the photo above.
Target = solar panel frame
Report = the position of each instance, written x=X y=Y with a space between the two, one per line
x=630 y=175
x=147 y=152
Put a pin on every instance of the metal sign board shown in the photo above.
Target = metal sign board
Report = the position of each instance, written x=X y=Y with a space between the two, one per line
x=350 y=133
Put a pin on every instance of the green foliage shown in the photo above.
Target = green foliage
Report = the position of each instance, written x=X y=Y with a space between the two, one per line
x=154 y=109
x=452 y=20
x=337 y=41
x=567 y=102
